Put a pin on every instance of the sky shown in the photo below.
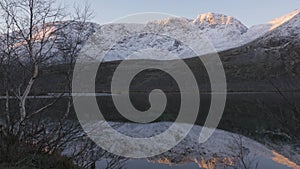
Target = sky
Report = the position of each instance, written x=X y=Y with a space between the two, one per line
x=249 y=12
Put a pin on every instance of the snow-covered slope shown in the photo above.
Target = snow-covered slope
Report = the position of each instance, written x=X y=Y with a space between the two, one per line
x=180 y=35
x=283 y=30
x=186 y=38
x=209 y=20
x=119 y=41
x=70 y=35
x=275 y=23
x=54 y=41
x=287 y=26
x=224 y=31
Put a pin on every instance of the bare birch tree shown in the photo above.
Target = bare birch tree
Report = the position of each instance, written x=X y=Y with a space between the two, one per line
x=34 y=33
x=29 y=40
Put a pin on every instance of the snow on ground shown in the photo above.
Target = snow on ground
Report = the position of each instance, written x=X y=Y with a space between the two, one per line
x=224 y=31
x=180 y=35
x=175 y=35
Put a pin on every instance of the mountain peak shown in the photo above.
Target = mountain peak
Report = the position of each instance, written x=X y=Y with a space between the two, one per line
x=221 y=21
x=213 y=19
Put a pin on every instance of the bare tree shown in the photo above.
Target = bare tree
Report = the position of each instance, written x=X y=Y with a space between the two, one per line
x=6 y=57
x=29 y=40
x=34 y=33
x=70 y=45
x=31 y=30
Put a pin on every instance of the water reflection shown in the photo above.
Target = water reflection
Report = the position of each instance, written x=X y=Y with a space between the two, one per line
x=223 y=150
x=214 y=163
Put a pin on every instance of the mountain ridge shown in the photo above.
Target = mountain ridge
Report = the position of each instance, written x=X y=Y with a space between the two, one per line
x=224 y=32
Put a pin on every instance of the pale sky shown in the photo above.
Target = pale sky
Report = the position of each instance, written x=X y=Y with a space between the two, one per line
x=250 y=12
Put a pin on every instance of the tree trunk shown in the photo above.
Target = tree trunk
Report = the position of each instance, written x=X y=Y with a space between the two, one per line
x=24 y=97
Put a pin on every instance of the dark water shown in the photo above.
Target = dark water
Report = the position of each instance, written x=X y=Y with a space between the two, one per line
x=244 y=112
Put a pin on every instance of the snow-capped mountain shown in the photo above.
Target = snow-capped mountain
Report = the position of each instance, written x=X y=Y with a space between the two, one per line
x=274 y=53
x=204 y=21
x=67 y=35
x=224 y=31
x=282 y=20
x=179 y=36
x=183 y=37
x=173 y=35
x=53 y=42
x=227 y=32
x=283 y=30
